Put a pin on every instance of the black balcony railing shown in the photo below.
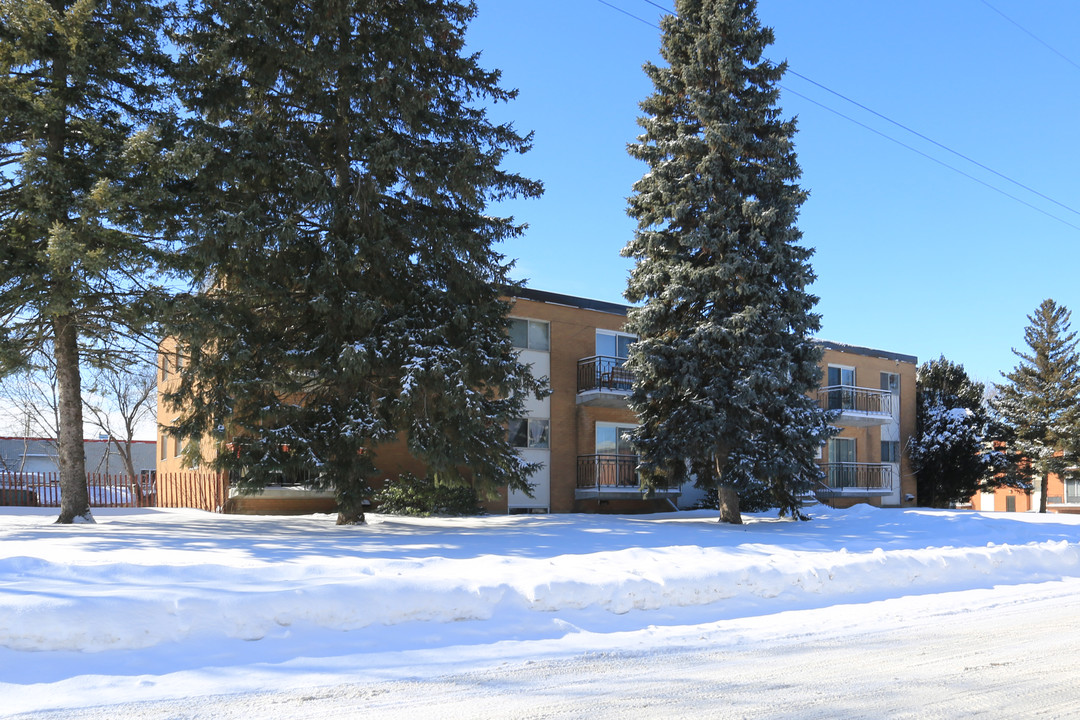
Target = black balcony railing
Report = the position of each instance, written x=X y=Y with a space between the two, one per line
x=607 y=471
x=611 y=472
x=857 y=476
x=601 y=372
x=856 y=399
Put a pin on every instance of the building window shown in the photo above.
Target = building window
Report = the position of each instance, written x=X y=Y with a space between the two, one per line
x=163 y=443
x=613 y=344
x=164 y=366
x=179 y=359
x=179 y=445
x=840 y=376
x=530 y=334
x=890 y=450
x=614 y=439
x=842 y=471
x=841 y=380
x=529 y=432
x=891 y=382
x=1072 y=490
x=841 y=450
x=1010 y=503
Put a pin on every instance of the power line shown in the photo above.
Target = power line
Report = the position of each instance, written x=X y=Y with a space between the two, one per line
x=627 y=12
x=624 y=12
x=946 y=148
x=658 y=6
x=1032 y=35
x=903 y=127
x=931 y=158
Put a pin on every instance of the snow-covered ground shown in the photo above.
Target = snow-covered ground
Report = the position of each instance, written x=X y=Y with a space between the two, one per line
x=155 y=606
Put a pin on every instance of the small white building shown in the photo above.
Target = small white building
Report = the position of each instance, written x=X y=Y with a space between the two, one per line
x=38 y=455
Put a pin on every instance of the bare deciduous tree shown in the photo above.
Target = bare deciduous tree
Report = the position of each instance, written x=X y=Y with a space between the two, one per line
x=119 y=403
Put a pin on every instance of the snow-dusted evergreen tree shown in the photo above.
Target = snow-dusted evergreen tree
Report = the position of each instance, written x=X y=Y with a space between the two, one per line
x=724 y=362
x=348 y=289
x=1039 y=406
x=949 y=451
x=80 y=90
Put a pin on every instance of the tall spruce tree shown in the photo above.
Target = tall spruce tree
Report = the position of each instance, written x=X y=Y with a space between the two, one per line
x=949 y=451
x=1039 y=406
x=80 y=87
x=724 y=362
x=349 y=292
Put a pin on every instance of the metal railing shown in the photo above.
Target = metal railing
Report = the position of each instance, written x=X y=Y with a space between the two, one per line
x=602 y=372
x=607 y=471
x=856 y=399
x=857 y=476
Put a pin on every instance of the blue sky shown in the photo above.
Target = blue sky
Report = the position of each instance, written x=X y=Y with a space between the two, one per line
x=911 y=256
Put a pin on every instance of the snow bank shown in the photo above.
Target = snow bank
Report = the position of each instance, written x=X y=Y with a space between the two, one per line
x=141 y=579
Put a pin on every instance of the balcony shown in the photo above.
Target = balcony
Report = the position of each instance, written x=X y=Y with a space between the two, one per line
x=855 y=480
x=602 y=381
x=858 y=406
x=612 y=477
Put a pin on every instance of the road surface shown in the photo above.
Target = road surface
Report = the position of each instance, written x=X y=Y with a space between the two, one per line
x=1008 y=652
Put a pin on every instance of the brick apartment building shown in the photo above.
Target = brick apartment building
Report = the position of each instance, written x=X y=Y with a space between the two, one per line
x=577 y=433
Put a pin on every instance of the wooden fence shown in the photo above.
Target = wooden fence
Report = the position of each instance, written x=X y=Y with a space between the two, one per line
x=192 y=489
x=199 y=490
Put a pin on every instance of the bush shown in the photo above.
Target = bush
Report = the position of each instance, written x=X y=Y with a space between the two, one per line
x=409 y=495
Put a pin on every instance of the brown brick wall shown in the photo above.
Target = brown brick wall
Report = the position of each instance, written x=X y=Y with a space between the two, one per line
x=868 y=369
x=573 y=337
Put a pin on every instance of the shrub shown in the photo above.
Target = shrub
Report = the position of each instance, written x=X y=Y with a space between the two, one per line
x=409 y=495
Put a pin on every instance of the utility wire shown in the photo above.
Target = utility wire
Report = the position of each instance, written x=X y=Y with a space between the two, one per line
x=639 y=19
x=946 y=148
x=658 y=6
x=624 y=12
x=931 y=158
x=903 y=127
x=1032 y=35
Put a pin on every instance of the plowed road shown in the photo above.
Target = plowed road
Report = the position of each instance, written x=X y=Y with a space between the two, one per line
x=1003 y=653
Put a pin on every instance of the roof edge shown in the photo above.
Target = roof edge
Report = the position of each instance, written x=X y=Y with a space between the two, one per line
x=570 y=301
x=619 y=309
x=869 y=352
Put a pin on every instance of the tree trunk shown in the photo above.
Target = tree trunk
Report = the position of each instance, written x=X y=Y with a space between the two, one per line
x=726 y=494
x=124 y=450
x=74 y=498
x=729 y=504
x=350 y=503
x=350 y=516
x=1043 y=486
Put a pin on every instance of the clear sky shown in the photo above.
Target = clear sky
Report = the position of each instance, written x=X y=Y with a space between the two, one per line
x=911 y=256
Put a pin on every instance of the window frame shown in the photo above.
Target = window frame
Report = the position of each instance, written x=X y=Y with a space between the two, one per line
x=618 y=427
x=841 y=368
x=617 y=335
x=890 y=388
x=1072 y=497
x=835 y=441
x=530 y=424
x=529 y=324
